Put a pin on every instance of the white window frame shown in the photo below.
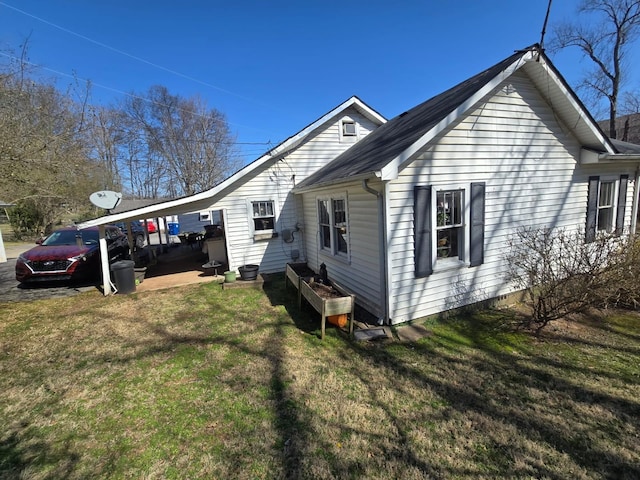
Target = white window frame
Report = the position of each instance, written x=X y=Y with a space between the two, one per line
x=462 y=259
x=348 y=136
x=262 y=234
x=613 y=206
x=334 y=245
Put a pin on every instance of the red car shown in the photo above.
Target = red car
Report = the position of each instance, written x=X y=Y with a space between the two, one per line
x=151 y=225
x=70 y=254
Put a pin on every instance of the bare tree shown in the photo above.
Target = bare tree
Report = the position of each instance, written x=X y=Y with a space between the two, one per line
x=106 y=140
x=181 y=146
x=43 y=153
x=609 y=27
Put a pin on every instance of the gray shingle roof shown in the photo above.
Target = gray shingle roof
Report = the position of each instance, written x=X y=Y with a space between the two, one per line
x=388 y=141
x=625 y=147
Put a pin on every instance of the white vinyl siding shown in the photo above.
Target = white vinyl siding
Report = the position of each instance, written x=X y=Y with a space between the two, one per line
x=514 y=143
x=363 y=273
x=274 y=181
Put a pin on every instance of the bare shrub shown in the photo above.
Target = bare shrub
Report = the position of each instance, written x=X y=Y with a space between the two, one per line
x=563 y=275
x=620 y=281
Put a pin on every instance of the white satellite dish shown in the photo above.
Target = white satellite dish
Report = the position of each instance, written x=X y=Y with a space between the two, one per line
x=105 y=199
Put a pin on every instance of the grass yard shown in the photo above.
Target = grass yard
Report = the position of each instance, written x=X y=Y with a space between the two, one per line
x=196 y=382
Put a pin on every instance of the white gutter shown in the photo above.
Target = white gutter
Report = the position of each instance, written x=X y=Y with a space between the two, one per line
x=331 y=183
x=619 y=157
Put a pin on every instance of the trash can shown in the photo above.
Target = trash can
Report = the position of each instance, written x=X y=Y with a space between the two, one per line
x=174 y=228
x=124 y=276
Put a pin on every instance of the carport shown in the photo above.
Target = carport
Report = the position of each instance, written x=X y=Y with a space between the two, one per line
x=197 y=202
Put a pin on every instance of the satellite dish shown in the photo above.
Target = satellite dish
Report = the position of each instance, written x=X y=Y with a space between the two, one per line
x=105 y=199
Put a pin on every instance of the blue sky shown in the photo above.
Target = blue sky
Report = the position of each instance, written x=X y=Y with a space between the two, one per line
x=272 y=67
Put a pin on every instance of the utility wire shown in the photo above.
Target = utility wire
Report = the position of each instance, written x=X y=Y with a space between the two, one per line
x=126 y=54
x=115 y=90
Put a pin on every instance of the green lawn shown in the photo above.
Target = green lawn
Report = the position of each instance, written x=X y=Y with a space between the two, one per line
x=197 y=382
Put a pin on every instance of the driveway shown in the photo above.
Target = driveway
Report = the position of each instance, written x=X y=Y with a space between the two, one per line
x=12 y=291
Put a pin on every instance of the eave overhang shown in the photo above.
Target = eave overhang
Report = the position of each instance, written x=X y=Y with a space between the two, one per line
x=337 y=181
x=591 y=157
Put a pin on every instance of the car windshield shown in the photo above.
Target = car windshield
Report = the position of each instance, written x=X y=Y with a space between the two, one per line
x=69 y=237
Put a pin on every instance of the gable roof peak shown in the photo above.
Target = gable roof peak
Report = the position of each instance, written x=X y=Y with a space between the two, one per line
x=383 y=151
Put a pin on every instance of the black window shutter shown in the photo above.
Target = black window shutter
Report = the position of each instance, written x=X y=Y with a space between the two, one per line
x=622 y=203
x=592 y=209
x=476 y=231
x=422 y=231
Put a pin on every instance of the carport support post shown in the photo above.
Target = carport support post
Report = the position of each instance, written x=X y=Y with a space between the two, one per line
x=104 y=261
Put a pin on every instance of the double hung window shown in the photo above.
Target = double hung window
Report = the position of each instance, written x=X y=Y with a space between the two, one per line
x=333 y=226
x=264 y=218
x=449 y=223
x=448 y=227
x=606 y=204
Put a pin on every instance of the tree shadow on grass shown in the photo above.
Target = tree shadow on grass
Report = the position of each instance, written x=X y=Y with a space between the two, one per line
x=501 y=395
x=511 y=404
x=518 y=372
x=20 y=451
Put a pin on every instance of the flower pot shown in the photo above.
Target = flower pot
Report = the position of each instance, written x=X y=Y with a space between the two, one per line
x=139 y=273
x=229 y=277
x=249 y=272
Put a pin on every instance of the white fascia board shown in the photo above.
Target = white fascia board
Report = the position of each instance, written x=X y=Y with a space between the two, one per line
x=293 y=141
x=368 y=111
x=390 y=170
x=591 y=157
x=582 y=113
x=170 y=207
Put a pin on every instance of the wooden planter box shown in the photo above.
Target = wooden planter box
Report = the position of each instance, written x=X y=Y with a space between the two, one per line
x=326 y=307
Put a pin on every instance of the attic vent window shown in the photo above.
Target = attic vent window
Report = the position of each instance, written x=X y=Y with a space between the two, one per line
x=348 y=128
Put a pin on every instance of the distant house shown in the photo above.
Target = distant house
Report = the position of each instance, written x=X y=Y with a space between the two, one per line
x=414 y=214
x=627 y=128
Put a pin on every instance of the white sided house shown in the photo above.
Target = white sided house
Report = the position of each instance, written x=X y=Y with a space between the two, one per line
x=260 y=217
x=415 y=218
x=414 y=215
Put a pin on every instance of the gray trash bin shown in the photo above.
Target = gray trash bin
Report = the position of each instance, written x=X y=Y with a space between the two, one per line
x=124 y=276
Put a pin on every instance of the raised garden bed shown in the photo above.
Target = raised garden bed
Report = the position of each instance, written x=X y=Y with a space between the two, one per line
x=328 y=301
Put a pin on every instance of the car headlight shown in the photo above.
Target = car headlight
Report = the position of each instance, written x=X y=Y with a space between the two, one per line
x=78 y=258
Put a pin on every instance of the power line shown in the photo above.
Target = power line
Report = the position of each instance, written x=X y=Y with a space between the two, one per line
x=115 y=90
x=126 y=54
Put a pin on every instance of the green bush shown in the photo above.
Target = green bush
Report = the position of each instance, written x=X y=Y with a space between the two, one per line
x=26 y=219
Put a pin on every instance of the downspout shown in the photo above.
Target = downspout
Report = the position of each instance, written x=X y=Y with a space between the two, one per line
x=382 y=251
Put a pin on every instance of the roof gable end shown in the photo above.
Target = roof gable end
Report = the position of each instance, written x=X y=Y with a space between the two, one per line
x=384 y=151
